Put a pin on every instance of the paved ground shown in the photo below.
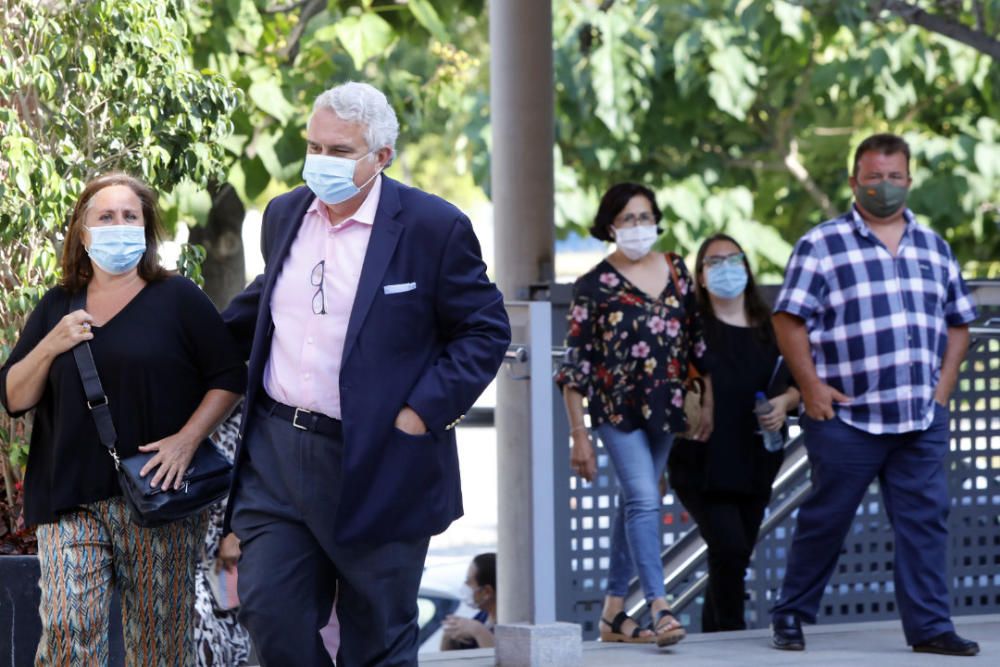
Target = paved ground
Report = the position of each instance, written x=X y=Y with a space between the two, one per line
x=878 y=644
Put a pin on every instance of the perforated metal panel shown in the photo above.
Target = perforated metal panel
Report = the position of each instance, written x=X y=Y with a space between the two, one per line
x=862 y=587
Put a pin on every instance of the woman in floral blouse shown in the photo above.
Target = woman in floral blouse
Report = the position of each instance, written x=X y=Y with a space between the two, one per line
x=633 y=331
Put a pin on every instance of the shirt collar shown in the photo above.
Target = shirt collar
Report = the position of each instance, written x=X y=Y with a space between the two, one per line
x=365 y=213
x=862 y=228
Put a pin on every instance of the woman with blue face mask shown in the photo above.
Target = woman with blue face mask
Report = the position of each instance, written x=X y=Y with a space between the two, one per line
x=171 y=375
x=725 y=483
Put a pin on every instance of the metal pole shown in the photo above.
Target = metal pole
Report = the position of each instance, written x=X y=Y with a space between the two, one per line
x=521 y=102
x=542 y=469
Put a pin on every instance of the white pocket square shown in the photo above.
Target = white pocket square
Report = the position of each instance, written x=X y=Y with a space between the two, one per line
x=399 y=288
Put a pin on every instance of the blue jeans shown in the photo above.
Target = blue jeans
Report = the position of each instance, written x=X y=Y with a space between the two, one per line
x=639 y=459
x=914 y=483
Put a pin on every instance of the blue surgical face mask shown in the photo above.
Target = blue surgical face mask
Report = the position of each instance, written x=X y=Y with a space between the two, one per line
x=117 y=249
x=726 y=281
x=332 y=178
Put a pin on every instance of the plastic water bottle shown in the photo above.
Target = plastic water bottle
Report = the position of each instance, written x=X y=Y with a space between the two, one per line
x=773 y=441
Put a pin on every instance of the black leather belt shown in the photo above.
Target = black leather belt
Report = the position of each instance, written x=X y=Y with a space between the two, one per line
x=303 y=419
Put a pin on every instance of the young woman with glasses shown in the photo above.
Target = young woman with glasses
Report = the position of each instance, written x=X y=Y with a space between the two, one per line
x=633 y=331
x=725 y=483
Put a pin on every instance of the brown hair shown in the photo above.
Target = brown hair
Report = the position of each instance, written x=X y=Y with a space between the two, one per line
x=486 y=569
x=76 y=266
x=757 y=312
x=614 y=200
x=885 y=144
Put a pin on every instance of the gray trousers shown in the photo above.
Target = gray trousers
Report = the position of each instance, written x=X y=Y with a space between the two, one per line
x=291 y=568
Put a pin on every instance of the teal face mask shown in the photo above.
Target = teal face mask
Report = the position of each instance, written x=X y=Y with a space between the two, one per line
x=882 y=199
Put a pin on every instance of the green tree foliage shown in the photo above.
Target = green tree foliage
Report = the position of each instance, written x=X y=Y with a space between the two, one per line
x=284 y=54
x=742 y=114
x=86 y=88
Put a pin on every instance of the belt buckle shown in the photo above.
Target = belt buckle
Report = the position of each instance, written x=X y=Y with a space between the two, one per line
x=295 y=418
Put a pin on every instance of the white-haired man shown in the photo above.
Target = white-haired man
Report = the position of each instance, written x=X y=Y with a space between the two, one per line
x=371 y=331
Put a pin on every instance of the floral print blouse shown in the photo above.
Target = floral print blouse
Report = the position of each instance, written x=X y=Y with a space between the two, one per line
x=628 y=353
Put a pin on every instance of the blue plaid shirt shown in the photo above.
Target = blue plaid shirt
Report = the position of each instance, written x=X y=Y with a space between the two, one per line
x=877 y=324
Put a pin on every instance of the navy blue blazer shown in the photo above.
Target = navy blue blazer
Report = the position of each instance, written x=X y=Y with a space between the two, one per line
x=434 y=348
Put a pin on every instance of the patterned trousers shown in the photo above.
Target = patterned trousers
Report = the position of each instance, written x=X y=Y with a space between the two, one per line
x=87 y=552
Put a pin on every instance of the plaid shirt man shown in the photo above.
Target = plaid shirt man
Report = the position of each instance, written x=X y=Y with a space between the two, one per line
x=877 y=324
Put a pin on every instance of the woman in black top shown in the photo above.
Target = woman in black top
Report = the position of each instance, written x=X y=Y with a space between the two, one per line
x=171 y=376
x=725 y=483
x=633 y=331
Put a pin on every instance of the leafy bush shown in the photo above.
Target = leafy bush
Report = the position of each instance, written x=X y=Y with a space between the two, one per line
x=86 y=88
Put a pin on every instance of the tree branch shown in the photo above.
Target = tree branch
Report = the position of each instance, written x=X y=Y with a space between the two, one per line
x=310 y=8
x=833 y=131
x=282 y=9
x=756 y=164
x=788 y=144
x=8 y=475
x=109 y=161
x=978 y=40
x=980 y=16
x=798 y=170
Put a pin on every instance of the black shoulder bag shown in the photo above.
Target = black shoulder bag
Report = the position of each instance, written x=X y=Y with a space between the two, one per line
x=205 y=482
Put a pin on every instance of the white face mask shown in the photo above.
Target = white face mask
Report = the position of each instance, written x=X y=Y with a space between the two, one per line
x=635 y=242
x=468 y=596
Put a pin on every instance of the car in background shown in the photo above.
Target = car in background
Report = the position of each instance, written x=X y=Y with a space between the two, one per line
x=432 y=607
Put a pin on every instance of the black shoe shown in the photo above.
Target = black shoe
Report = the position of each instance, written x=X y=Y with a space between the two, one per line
x=947 y=643
x=786 y=632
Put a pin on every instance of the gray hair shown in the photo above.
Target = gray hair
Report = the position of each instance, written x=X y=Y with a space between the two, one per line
x=367 y=105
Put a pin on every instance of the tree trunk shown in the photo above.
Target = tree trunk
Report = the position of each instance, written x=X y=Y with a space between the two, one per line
x=224 y=269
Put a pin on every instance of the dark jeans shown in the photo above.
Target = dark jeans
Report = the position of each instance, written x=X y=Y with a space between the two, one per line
x=729 y=524
x=911 y=475
x=291 y=566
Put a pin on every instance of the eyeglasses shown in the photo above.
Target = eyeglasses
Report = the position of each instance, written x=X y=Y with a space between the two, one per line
x=736 y=259
x=633 y=220
x=316 y=278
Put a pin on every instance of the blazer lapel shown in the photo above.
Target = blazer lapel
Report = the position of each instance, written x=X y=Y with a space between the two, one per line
x=289 y=226
x=381 y=246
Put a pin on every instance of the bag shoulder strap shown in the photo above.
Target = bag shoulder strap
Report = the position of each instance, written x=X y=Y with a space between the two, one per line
x=693 y=373
x=97 y=400
x=671 y=257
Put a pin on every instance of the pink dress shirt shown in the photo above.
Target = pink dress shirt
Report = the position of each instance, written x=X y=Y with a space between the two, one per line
x=306 y=349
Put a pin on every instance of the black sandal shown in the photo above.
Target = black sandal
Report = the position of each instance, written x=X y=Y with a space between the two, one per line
x=616 y=634
x=670 y=636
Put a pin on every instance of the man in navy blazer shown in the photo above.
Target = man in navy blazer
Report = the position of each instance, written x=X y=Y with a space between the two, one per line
x=370 y=333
